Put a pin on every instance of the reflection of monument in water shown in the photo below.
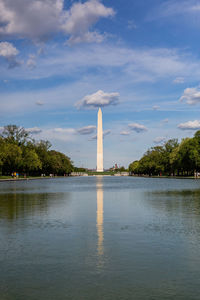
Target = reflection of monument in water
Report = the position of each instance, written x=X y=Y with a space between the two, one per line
x=99 y=142
x=99 y=184
x=99 y=187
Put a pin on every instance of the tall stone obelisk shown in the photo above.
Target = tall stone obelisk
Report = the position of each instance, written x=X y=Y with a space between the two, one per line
x=99 y=142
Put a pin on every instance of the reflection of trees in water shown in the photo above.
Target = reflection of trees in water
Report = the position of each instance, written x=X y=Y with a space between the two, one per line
x=20 y=205
x=184 y=201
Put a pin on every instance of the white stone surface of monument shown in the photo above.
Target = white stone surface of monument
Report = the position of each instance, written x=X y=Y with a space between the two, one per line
x=99 y=142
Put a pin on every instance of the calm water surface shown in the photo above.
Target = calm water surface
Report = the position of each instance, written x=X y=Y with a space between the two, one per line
x=100 y=238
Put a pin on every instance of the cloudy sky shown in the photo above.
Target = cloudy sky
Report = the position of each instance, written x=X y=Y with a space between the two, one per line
x=137 y=59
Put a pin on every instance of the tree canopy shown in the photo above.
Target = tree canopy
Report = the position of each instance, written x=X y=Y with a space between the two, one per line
x=171 y=158
x=19 y=152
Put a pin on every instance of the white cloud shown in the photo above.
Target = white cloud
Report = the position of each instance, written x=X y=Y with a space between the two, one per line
x=156 y=107
x=62 y=134
x=159 y=140
x=99 y=99
x=164 y=121
x=77 y=63
x=139 y=65
x=86 y=130
x=81 y=17
x=32 y=19
x=137 y=127
x=58 y=134
x=191 y=96
x=34 y=130
x=31 y=62
x=179 y=80
x=39 y=103
x=7 y=50
x=51 y=134
x=190 y=125
x=172 y=8
x=195 y=7
x=64 y=130
x=124 y=132
x=131 y=25
x=88 y=37
x=65 y=133
x=134 y=65
x=39 y=20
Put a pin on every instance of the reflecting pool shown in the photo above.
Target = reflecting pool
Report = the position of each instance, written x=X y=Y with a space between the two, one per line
x=100 y=238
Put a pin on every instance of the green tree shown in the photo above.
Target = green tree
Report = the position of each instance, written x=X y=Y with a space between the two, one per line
x=30 y=161
x=42 y=149
x=133 y=167
x=168 y=148
x=59 y=163
x=12 y=158
x=175 y=162
x=20 y=153
x=151 y=163
x=188 y=155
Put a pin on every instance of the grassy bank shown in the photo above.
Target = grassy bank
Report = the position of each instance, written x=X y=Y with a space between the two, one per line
x=165 y=176
x=10 y=178
x=109 y=173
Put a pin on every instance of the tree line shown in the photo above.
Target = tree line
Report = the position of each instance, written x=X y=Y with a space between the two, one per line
x=19 y=152
x=172 y=158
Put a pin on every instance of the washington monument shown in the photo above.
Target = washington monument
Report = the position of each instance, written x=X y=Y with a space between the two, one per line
x=99 y=142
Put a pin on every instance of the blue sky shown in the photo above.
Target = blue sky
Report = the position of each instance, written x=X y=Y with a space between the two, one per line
x=138 y=60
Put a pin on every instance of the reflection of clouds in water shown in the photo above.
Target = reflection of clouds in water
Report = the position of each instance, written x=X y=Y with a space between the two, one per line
x=99 y=187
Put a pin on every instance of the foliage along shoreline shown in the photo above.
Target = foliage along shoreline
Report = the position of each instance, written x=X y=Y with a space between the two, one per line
x=20 y=153
x=170 y=159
